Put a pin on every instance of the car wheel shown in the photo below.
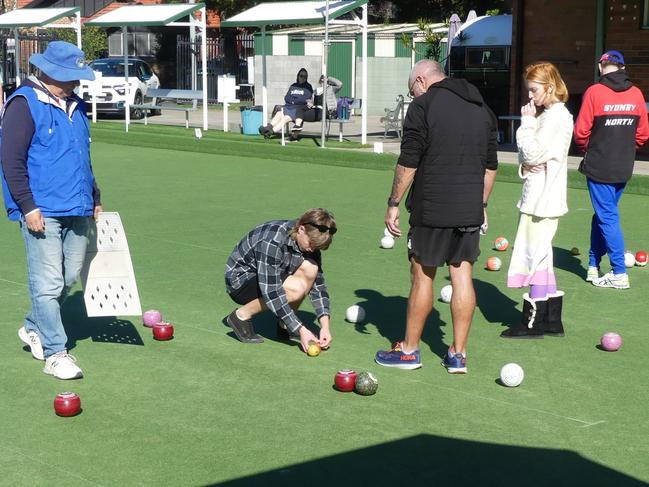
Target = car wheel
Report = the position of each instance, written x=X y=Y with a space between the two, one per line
x=137 y=113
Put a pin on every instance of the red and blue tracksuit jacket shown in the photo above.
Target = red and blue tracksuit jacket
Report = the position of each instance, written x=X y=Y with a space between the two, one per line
x=611 y=124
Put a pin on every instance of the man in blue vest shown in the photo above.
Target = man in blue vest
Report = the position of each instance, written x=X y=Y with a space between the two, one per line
x=49 y=188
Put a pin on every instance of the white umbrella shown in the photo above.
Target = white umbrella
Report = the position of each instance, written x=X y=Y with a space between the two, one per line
x=454 y=25
x=472 y=15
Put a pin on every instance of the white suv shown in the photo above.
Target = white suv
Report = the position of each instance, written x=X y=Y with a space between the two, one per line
x=112 y=97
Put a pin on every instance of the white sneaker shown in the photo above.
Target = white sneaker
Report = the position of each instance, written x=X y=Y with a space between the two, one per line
x=62 y=366
x=617 y=281
x=592 y=274
x=33 y=341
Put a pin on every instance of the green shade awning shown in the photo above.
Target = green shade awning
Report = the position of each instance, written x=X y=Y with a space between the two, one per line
x=145 y=15
x=34 y=17
x=288 y=13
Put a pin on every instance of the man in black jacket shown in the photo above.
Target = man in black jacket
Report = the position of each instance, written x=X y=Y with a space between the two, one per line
x=449 y=155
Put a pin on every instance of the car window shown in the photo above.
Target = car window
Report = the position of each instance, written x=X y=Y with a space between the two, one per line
x=113 y=68
x=146 y=70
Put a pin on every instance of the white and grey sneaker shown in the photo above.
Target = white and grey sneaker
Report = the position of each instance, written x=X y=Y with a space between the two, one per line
x=62 y=366
x=592 y=274
x=33 y=341
x=616 y=281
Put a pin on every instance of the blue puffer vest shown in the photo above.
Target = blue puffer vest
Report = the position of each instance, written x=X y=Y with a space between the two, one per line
x=58 y=160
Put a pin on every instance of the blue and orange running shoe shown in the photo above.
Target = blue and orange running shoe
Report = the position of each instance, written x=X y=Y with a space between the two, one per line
x=395 y=357
x=455 y=363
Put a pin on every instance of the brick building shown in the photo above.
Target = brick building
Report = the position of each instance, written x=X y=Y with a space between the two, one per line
x=572 y=34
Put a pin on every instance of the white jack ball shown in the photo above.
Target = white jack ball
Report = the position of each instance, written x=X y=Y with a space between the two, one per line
x=511 y=375
x=355 y=314
x=388 y=242
x=446 y=293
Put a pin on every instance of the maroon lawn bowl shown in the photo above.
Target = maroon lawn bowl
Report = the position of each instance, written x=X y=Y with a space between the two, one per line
x=163 y=331
x=151 y=317
x=67 y=404
x=345 y=380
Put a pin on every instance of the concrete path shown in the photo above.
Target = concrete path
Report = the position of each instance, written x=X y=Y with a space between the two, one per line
x=352 y=131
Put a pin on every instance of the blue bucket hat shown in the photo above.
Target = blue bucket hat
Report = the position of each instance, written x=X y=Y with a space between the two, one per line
x=63 y=61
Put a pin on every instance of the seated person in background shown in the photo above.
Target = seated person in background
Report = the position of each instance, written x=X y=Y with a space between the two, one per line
x=299 y=96
x=314 y=113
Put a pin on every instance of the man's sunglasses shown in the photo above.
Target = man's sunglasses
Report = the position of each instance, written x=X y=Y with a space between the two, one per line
x=322 y=228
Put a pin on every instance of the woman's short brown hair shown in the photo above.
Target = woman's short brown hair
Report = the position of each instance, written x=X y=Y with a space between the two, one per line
x=320 y=240
x=547 y=73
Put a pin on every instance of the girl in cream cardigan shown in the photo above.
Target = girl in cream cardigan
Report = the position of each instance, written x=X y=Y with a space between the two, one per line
x=543 y=140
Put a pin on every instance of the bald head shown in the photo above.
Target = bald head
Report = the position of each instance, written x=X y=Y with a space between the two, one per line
x=423 y=74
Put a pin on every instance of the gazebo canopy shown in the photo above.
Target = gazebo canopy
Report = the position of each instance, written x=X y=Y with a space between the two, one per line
x=39 y=17
x=157 y=15
x=325 y=12
x=34 y=17
x=145 y=15
x=298 y=13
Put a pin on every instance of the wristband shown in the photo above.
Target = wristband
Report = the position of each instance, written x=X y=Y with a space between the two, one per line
x=392 y=203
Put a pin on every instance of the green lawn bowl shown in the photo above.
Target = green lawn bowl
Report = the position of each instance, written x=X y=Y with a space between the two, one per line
x=366 y=384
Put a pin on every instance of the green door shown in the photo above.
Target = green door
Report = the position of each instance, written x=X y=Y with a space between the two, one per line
x=339 y=65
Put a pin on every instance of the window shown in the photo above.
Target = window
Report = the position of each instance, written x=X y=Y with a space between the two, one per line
x=645 y=16
x=487 y=57
x=139 y=44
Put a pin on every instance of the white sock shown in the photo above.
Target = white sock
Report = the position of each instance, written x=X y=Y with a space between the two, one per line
x=403 y=350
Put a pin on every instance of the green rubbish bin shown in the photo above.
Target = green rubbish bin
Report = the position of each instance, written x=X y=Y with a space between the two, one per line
x=251 y=120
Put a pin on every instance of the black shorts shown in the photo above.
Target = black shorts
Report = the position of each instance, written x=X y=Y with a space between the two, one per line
x=250 y=290
x=246 y=293
x=435 y=247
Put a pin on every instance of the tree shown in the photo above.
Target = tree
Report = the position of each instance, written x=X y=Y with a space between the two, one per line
x=411 y=10
x=432 y=40
x=94 y=40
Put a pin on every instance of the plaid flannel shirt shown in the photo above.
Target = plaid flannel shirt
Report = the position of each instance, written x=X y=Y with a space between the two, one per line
x=269 y=255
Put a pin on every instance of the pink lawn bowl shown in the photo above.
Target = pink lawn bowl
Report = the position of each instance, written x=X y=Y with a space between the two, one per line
x=151 y=317
x=611 y=342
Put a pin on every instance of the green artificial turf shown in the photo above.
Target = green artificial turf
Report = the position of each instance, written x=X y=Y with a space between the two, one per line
x=205 y=409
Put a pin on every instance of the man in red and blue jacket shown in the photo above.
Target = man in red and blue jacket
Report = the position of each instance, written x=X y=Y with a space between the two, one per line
x=611 y=125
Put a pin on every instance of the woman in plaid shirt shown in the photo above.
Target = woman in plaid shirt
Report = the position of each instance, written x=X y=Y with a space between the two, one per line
x=274 y=267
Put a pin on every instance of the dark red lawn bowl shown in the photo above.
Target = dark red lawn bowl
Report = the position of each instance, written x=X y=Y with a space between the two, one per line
x=67 y=404
x=163 y=331
x=345 y=380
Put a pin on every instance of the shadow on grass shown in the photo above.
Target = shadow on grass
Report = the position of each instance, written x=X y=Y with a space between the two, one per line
x=564 y=260
x=435 y=460
x=495 y=306
x=265 y=325
x=102 y=329
x=388 y=315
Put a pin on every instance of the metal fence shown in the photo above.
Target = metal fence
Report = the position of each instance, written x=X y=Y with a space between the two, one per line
x=29 y=44
x=218 y=63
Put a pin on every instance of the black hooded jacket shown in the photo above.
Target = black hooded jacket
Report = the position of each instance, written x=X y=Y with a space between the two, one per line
x=450 y=137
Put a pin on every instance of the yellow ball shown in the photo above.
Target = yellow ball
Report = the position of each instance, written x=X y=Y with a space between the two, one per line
x=313 y=350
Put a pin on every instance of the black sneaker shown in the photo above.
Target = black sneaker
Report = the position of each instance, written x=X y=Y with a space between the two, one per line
x=243 y=329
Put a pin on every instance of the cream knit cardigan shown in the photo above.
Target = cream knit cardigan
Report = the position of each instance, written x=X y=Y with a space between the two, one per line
x=545 y=140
